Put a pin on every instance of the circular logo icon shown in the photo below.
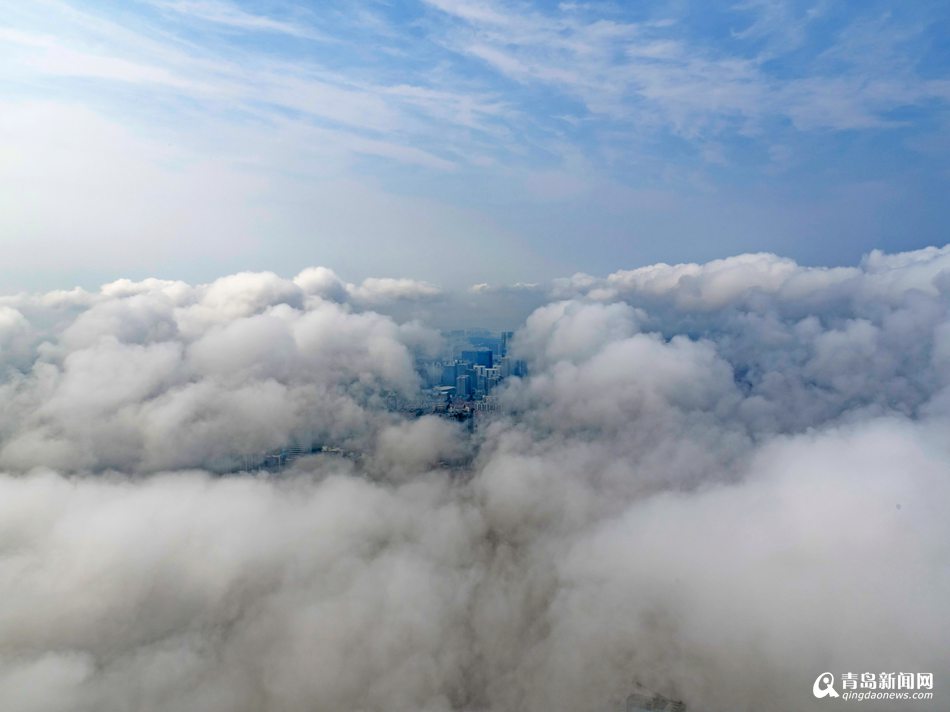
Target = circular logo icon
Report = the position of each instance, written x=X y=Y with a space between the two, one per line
x=824 y=686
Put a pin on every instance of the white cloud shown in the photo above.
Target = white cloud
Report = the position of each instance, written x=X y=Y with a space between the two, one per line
x=650 y=74
x=232 y=16
x=161 y=374
x=380 y=290
x=709 y=480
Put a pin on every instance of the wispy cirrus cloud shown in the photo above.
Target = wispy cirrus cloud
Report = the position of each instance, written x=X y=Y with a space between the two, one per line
x=654 y=73
x=371 y=118
x=653 y=120
x=233 y=17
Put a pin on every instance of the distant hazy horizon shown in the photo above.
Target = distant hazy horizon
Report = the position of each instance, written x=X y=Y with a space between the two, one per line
x=498 y=307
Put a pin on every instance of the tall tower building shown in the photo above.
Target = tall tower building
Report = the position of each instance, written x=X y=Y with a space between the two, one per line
x=506 y=337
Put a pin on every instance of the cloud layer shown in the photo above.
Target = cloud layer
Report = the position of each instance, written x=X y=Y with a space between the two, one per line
x=718 y=481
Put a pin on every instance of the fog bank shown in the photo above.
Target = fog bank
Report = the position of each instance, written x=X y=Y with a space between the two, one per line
x=717 y=482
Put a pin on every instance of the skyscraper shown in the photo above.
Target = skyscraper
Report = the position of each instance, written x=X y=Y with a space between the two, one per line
x=449 y=374
x=506 y=337
x=478 y=357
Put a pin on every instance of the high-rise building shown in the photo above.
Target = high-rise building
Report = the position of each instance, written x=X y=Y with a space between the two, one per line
x=506 y=337
x=449 y=374
x=431 y=372
x=478 y=357
x=463 y=386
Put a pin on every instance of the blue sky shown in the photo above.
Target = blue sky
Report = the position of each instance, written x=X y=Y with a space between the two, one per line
x=463 y=142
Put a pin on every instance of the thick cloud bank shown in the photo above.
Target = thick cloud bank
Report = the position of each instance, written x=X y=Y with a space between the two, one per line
x=717 y=482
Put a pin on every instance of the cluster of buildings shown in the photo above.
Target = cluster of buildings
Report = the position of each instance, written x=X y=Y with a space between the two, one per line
x=462 y=383
x=281 y=458
x=460 y=386
x=477 y=363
